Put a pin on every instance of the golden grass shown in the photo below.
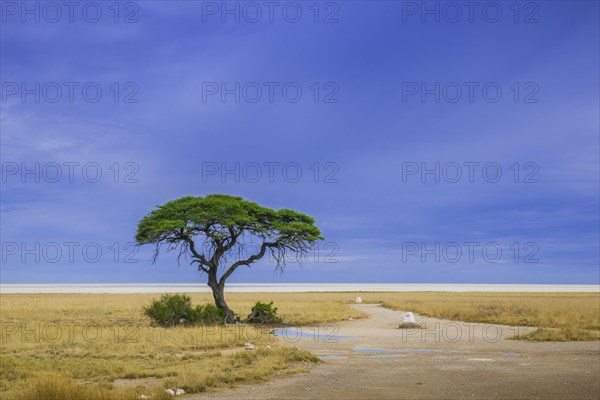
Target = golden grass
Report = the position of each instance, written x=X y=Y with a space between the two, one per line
x=73 y=346
x=215 y=371
x=58 y=387
x=296 y=308
x=99 y=338
x=559 y=316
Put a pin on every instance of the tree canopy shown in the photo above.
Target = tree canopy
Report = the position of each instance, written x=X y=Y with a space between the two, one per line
x=210 y=229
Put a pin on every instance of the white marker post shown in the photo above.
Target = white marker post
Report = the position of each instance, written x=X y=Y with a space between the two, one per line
x=409 y=318
x=359 y=299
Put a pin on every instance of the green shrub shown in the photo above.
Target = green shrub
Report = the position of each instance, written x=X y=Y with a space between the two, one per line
x=208 y=314
x=171 y=310
x=177 y=309
x=263 y=313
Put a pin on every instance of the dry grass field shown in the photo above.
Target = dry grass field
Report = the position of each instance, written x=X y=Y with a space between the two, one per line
x=101 y=346
x=50 y=341
x=558 y=316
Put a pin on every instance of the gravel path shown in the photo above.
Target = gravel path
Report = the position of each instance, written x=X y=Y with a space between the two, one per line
x=446 y=360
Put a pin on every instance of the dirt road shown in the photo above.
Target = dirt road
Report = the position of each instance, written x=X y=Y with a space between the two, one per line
x=372 y=359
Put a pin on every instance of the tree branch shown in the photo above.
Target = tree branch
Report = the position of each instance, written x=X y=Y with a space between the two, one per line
x=248 y=261
x=200 y=259
x=222 y=248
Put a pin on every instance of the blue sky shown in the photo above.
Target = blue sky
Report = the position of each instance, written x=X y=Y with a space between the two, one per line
x=379 y=104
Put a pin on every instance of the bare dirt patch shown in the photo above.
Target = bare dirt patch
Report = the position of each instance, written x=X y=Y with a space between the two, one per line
x=443 y=360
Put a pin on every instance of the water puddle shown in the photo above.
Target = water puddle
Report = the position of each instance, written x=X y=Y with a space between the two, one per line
x=332 y=357
x=375 y=350
x=293 y=333
x=383 y=356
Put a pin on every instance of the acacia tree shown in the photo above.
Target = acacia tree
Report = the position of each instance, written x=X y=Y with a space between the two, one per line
x=212 y=230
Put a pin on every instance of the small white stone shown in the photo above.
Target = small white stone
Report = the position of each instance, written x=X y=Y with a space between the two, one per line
x=249 y=346
x=268 y=347
x=409 y=318
x=144 y=397
x=170 y=392
x=179 y=392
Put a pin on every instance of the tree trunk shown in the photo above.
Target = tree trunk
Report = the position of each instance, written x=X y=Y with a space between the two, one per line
x=219 y=296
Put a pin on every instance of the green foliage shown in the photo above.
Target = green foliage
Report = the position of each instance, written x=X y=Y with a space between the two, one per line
x=170 y=310
x=208 y=314
x=216 y=215
x=263 y=313
x=177 y=309
x=216 y=228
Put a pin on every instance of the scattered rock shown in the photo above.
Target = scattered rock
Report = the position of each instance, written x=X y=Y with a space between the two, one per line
x=179 y=392
x=170 y=392
x=409 y=321
x=409 y=318
x=268 y=347
x=144 y=397
x=249 y=346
